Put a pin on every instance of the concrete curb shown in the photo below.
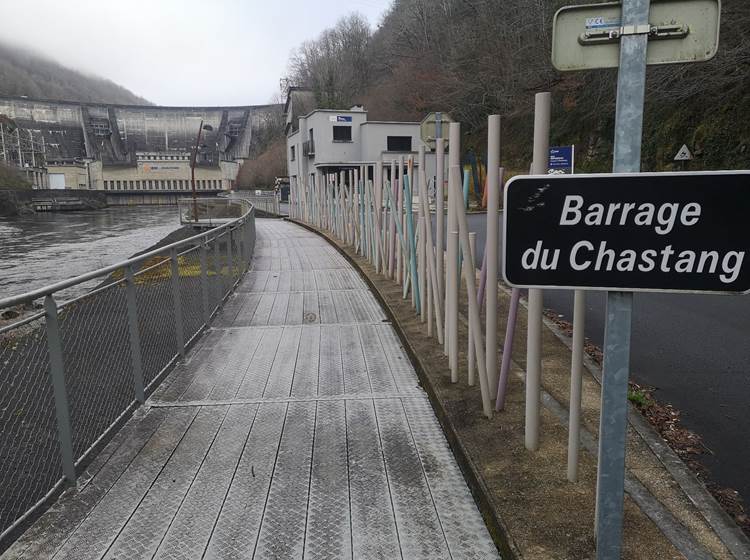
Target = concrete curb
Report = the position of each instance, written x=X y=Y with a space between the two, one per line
x=487 y=507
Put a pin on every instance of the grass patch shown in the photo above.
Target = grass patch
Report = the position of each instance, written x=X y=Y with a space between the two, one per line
x=640 y=398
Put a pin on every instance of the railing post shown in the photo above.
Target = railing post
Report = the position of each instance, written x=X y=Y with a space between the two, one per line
x=57 y=372
x=217 y=266
x=177 y=302
x=204 y=280
x=230 y=262
x=243 y=249
x=135 y=337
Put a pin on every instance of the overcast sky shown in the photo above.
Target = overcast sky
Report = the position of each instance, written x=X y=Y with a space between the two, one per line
x=179 y=52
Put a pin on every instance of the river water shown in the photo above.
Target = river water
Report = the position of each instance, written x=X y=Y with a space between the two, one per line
x=47 y=247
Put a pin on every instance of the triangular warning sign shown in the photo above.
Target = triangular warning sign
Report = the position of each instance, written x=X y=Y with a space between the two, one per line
x=684 y=154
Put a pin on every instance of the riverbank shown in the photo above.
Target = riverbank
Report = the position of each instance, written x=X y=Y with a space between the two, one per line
x=19 y=202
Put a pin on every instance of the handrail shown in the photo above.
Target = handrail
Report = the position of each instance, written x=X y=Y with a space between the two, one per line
x=62 y=285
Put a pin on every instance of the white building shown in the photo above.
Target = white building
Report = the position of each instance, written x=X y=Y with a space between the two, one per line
x=329 y=141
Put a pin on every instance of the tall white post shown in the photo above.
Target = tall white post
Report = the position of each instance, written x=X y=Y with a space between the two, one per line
x=436 y=298
x=539 y=166
x=576 y=382
x=440 y=208
x=491 y=246
x=452 y=275
x=455 y=193
x=392 y=223
x=472 y=354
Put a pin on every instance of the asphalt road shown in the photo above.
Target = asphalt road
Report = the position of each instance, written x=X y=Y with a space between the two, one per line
x=695 y=349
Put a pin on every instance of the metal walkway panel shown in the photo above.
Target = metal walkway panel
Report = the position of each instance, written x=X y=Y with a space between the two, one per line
x=328 y=533
x=93 y=537
x=147 y=525
x=282 y=530
x=191 y=528
x=236 y=529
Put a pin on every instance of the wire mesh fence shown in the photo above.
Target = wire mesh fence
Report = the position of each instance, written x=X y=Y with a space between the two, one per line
x=156 y=317
x=71 y=373
x=29 y=449
x=97 y=361
x=191 y=295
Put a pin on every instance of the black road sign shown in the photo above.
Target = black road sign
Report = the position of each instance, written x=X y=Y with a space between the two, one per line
x=673 y=232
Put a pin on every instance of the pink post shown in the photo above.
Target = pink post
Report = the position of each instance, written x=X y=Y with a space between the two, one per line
x=482 y=278
x=507 y=349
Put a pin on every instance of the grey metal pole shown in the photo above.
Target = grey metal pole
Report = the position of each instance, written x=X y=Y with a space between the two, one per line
x=542 y=112
x=57 y=372
x=241 y=251
x=217 y=272
x=204 y=281
x=631 y=87
x=230 y=259
x=135 y=337
x=179 y=331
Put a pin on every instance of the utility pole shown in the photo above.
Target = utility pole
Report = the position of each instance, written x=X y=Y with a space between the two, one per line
x=192 y=167
x=2 y=140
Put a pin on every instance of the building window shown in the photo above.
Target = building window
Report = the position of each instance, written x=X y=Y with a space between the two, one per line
x=293 y=154
x=100 y=128
x=342 y=133
x=399 y=143
x=118 y=185
x=130 y=185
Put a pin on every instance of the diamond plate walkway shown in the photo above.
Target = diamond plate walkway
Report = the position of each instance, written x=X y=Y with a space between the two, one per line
x=295 y=429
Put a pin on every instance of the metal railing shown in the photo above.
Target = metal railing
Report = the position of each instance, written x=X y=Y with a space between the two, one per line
x=210 y=212
x=266 y=201
x=74 y=371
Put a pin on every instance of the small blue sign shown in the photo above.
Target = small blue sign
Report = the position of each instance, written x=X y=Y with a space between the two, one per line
x=341 y=118
x=561 y=160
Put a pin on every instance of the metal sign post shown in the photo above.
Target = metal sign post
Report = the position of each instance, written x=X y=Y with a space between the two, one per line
x=609 y=35
x=610 y=482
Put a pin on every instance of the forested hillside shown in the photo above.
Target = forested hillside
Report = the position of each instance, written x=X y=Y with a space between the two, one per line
x=25 y=73
x=472 y=58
